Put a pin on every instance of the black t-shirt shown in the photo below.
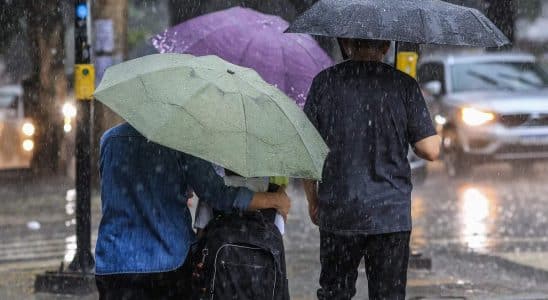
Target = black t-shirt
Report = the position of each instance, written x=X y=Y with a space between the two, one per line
x=368 y=113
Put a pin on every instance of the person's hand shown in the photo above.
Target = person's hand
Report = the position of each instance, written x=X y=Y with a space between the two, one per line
x=278 y=200
x=313 y=212
x=283 y=203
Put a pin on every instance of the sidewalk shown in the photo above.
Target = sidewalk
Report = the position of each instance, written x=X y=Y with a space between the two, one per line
x=17 y=282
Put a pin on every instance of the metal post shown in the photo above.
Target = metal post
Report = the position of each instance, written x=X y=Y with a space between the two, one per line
x=79 y=278
x=396 y=50
x=84 y=83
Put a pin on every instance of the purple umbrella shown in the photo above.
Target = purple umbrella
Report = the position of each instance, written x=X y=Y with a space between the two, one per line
x=251 y=39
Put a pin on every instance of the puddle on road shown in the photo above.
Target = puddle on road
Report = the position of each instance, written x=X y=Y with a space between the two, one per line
x=469 y=221
x=477 y=214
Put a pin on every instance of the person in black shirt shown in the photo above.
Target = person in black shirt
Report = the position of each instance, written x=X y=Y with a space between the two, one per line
x=369 y=114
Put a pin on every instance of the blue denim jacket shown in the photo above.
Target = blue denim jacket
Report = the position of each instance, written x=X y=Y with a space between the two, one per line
x=146 y=224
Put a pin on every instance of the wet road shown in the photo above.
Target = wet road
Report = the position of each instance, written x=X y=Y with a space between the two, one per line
x=495 y=210
x=478 y=231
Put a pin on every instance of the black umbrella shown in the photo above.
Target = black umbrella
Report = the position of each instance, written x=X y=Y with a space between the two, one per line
x=413 y=21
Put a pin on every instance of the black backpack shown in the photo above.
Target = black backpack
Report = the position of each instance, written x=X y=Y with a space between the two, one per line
x=240 y=257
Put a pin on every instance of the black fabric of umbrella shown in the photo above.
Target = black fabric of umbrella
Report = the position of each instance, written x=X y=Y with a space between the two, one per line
x=412 y=21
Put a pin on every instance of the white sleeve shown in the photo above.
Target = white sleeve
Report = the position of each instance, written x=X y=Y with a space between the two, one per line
x=204 y=214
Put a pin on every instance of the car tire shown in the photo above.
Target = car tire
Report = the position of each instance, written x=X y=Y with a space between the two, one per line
x=454 y=159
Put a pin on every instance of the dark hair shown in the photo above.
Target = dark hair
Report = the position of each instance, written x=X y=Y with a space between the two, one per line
x=368 y=44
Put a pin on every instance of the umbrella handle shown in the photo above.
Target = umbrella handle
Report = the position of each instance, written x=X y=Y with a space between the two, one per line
x=343 y=52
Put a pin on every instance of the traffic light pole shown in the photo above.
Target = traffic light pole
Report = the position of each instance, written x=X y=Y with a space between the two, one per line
x=83 y=85
x=79 y=277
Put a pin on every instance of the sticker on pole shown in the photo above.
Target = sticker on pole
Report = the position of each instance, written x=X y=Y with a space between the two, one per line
x=84 y=81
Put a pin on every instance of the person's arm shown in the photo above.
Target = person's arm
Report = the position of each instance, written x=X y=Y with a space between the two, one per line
x=420 y=129
x=428 y=148
x=311 y=191
x=211 y=188
x=312 y=111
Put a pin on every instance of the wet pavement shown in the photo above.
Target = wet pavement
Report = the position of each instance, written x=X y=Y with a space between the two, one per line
x=486 y=235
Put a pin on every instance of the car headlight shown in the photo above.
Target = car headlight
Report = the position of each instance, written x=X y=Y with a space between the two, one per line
x=475 y=117
x=28 y=145
x=69 y=110
x=28 y=129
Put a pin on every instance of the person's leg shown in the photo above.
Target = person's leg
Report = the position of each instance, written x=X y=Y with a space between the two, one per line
x=182 y=287
x=148 y=286
x=116 y=287
x=386 y=260
x=340 y=258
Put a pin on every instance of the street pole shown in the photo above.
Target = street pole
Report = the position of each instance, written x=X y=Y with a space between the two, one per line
x=84 y=84
x=78 y=278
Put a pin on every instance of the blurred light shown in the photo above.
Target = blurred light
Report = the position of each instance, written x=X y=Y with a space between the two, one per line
x=476 y=204
x=82 y=11
x=28 y=129
x=67 y=127
x=28 y=145
x=475 y=117
x=440 y=120
x=475 y=213
x=70 y=248
x=69 y=110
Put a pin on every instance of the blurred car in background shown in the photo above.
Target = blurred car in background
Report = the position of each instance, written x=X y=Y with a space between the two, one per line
x=487 y=107
x=419 y=170
x=16 y=130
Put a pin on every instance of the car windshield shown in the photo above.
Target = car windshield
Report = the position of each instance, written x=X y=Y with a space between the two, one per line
x=8 y=101
x=514 y=76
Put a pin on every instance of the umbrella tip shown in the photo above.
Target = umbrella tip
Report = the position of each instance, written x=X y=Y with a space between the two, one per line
x=230 y=72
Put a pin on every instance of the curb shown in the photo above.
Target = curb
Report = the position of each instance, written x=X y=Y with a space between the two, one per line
x=507 y=265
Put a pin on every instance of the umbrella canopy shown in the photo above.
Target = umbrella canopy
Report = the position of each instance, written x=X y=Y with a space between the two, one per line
x=413 y=21
x=217 y=111
x=254 y=40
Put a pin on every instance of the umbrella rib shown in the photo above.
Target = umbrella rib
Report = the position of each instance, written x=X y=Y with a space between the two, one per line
x=287 y=117
x=251 y=40
x=286 y=85
x=421 y=13
x=308 y=52
x=246 y=133
x=174 y=105
x=484 y=25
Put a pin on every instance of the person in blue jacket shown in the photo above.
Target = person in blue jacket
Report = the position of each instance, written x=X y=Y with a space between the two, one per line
x=145 y=232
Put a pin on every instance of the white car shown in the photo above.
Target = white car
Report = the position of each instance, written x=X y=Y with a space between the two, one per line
x=488 y=107
x=16 y=131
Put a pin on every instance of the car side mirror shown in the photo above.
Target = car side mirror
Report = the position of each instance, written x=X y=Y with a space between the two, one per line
x=433 y=88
